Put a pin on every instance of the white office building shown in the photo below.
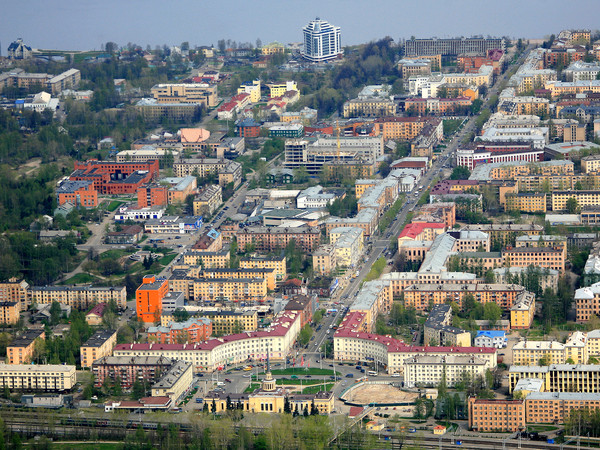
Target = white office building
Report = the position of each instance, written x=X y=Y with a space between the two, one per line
x=322 y=41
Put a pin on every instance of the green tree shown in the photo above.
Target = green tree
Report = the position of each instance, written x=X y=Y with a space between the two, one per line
x=305 y=334
x=572 y=205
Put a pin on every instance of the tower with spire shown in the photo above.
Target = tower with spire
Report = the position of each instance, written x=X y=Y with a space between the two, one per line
x=268 y=383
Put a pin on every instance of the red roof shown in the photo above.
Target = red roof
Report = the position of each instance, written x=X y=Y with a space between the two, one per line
x=98 y=309
x=279 y=327
x=412 y=230
x=355 y=411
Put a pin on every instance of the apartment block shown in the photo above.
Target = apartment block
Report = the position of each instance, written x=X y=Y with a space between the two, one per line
x=129 y=369
x=429 y=370
x=208 y=260
x=270 y=239
x=422 y=296
x=505 y=233
x=149 y=298
x=20 y=351
x=191 y=331
x=9 y=312
x=584 y=198
x=556 y=407
x=176 y=381
x=43 y=377
x=152 y=194
x=527 y=202
x=496 y=415
x=14 y=290
x=550 y=257
x=324 y=260
x=230 y=289
x=78 y=297
x=404 y=128
x=99 y=345
x=208 y=200
x=267 y=274
x=278 y=263
x=523 y=311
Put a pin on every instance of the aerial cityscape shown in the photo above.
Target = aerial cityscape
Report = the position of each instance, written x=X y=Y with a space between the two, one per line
x=323 y=244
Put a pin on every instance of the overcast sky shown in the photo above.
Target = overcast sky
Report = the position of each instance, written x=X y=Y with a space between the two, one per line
x=86 y=24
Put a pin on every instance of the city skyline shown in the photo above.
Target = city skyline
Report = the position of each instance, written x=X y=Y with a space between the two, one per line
x=77 y=26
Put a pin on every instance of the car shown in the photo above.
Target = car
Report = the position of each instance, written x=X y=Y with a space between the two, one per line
x=349 y=375
x=246 y=375
x=396 y=374
x=307 y=376
x=199 y=375
x=227 y=380
x=294 y=377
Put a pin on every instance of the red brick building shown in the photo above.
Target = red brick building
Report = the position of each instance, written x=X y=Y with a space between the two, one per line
x=247 y=128
x=564 y=56
x=116 y=178
x=77 y=193
x=304 y=305
x=129 y=368
x=152 y=194
x=192 y=331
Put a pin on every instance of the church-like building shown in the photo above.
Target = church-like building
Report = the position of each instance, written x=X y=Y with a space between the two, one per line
x=270 y=398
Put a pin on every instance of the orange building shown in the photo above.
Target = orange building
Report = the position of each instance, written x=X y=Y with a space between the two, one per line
x=21 y=349
x=192 y=331
x=496 y=415
x=550 y=257
x=149 y=297
x=77 y=193
x=152 y=194
x=9 y=312
x=406 y=128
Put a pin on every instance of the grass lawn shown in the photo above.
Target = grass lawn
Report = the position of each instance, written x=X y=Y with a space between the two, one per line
x=80 y=278
x=286 y=381
x=541 y=428
x=252 y=387
x=301 y=371
x=112 y=206
x=315 y=389
x=90 y=445
x=167 y=259
x=114 y=254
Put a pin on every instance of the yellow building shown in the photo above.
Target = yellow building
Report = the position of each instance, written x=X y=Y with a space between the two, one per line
x=324 y=260
x=251 y=88
x=348 y=245
x=575 y=350
x=267 y=274
x=369 y=107
x=226 y=289
x=33 y=377
x=360 y=186
x=208 y=200
x=9 y=312
x=20 y=351
x=506 y=233
x=559 y=377
x=176 y=382
x=526 y=202
x=522 y=312
x=267 y=262
x=195 y=93
x=14 y=290
x=529 y=106
x=271 y=399
x=272 y=49
x=584 y=198
x=223 y=322
x=278 y=89
x=511 y=172
x=558 y=88
x=98 y=346
x=81 y=298
x=208 y=260
x=589 y=164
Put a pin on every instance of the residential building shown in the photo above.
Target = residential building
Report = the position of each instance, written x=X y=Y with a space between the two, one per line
x=369 y=107
x=523 y=310
x=176 y=381
x=322 y=41
x=154 y=111
x=43 y=377
x=78 y=297
x=149 y=297
x=559 y=199
x=223 y=322
x=277 y=341
x=13 y=290
x=252 y=88
x=20 y=351
x=148 y=153
x=550 y=257
x=152 y=194
x=269 y=238
x=505 y=233
x=230 y=289
x=129 y=369
x=95 y=315
x=556 y=407
x=438 y=329
x=278 y=89
x=277 y=263
x=425 y=371
x=18 y=50
x=324 y=259
x=130 y=234
x=100 y=344
x=9 y=312
x=496 y=415
x=490 y=338
x=208 y=200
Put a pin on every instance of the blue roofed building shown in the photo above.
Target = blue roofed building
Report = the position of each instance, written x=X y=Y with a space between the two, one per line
x=491 y=338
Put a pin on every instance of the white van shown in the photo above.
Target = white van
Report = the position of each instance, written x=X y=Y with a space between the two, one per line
x=220 y=383
x=371 y=373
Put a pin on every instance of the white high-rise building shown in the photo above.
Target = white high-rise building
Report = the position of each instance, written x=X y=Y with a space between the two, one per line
x=322 y=41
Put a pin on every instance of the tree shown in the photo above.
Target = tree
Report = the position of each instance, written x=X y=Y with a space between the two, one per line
x=286 y=405
x=572 y=205
x=492 y=312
